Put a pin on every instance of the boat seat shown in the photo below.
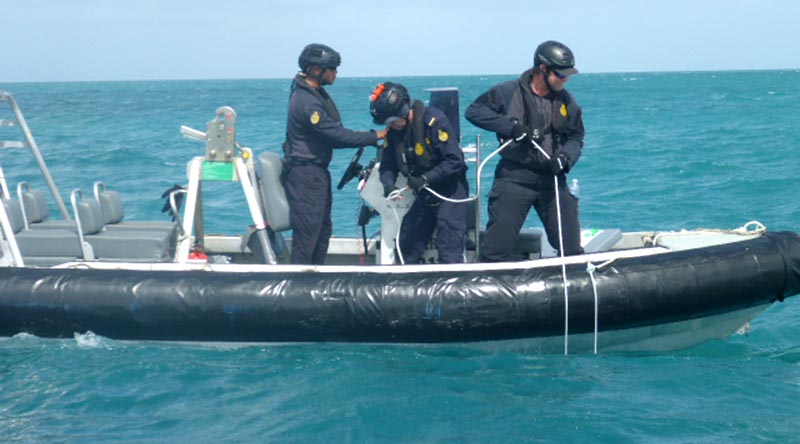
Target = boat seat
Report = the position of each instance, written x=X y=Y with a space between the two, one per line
x=35 y=211
x=269 y=168
x=528 y=243
x=114 y=214
x=130 y=245
x=41 y=247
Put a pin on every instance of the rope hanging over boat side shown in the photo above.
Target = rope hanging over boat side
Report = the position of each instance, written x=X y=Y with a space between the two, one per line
x=590 y=268
x=560 y=249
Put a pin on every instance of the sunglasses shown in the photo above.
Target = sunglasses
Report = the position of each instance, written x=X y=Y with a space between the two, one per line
x=558 y=74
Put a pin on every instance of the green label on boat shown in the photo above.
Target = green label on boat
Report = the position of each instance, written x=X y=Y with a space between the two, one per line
x=589 y=233
x=222 y=171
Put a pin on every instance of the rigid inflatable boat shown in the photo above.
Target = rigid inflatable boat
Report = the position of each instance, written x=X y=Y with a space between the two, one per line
x=95 y=271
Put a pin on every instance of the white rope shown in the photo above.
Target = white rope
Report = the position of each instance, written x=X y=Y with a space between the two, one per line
x=392 y=196
x=494 y=153
x=759 y=227
x=563 y=267
x=480 y=171
x=752 y=228
x=447 y=199
x=561 y=251
x=590 y=267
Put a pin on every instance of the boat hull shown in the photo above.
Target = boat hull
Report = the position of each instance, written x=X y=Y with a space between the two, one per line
x=441 y=305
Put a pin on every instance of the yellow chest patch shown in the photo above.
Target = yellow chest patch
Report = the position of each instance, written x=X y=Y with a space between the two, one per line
x=443 y=136
x=419 y=149
x=314 y=118
x=563 y=110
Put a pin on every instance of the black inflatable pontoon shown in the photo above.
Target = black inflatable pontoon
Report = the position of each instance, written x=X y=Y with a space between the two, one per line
x=396 y=304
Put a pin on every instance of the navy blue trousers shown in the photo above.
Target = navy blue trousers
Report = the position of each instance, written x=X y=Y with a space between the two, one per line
x=509 y=205
x=308 y=190
x=448 y=219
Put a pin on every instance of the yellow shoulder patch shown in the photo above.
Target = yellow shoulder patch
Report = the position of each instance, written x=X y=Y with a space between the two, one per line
x=443 y=136
x=419 y=149
x=315 y=118
x=433 y=120
x=563 y=110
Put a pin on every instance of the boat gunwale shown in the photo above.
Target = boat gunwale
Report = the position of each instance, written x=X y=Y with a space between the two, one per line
x=370 y=269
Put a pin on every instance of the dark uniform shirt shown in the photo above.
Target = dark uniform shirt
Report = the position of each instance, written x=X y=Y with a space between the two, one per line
x=428 y=146
x=559 y=123
x=313 y=129
x=314 y=126
x=446 y=158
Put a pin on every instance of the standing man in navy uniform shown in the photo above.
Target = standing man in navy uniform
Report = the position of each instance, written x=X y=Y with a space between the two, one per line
x=533 y=108
x=421 y=146
x=313 y=129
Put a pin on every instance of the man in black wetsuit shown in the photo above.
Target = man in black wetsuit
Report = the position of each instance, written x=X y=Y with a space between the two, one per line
x=422 y=146
x=534 y=109
x=313 y=129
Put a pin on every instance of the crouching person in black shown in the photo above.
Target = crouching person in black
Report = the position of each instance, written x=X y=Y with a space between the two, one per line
x=420 y=145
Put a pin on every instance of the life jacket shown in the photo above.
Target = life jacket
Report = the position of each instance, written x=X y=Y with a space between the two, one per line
x=558 y=123
x=524 y=105
x=412 y=147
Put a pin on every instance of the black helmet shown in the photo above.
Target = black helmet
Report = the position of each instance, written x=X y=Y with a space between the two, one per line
x=556 y=56
x=318 y=54
x=389 y=102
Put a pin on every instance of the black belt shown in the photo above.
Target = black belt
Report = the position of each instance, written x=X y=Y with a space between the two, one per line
x=293 y=161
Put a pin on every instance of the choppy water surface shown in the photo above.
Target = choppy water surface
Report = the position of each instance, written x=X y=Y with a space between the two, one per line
x=663 y=151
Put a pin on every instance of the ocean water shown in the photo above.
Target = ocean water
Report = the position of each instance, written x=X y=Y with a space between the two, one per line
x=663 y=151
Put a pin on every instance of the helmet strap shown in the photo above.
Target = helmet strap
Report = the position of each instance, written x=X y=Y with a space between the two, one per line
x=314 y=79
x=545 y=76
x=540 y=88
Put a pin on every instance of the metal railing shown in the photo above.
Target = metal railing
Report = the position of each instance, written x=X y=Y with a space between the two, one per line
x=29 y=142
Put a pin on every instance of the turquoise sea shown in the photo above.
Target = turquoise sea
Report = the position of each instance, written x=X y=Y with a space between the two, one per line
x=668 y=150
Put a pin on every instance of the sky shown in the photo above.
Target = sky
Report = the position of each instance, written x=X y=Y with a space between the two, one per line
x=87 y=40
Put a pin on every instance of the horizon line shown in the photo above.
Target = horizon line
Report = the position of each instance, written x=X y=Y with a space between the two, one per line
x=676 y=71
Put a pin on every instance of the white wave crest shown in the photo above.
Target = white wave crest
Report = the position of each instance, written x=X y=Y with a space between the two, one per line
x=91 y=340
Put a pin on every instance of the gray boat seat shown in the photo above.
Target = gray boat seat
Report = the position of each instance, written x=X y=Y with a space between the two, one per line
x=269 y=168
x=41 y=247
x=35 y=211
x=603 y=240
x=529 y=242
x=130 y=245
x=114 y=213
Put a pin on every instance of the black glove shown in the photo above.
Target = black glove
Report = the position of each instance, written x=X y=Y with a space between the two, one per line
x=417 y=182
x=520 y=132
x=559 y=163
x=387 y=190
